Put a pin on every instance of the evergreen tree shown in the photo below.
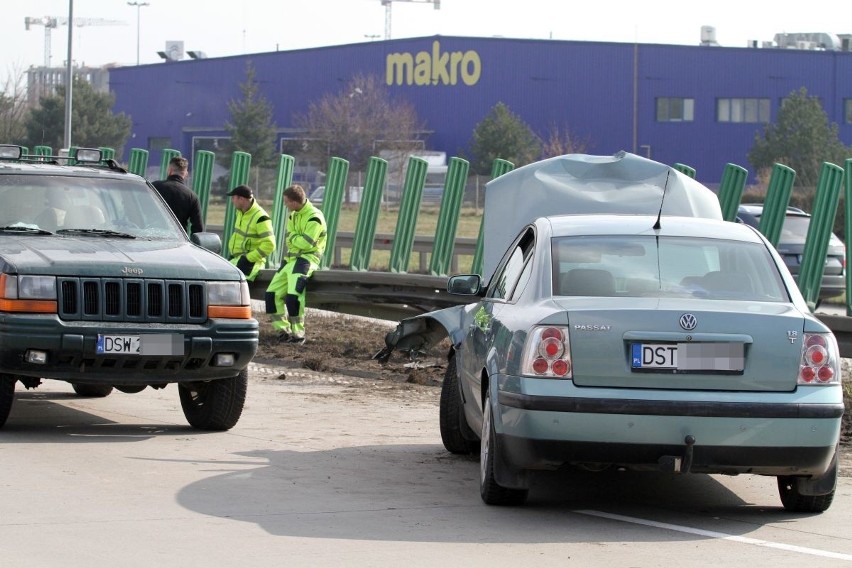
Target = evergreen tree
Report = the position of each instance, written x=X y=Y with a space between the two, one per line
x=93 y=123
x=800 y=138
x=251 y=128
x=501 y=134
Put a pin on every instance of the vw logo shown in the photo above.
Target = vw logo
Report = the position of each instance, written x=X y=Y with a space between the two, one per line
x=688 y=322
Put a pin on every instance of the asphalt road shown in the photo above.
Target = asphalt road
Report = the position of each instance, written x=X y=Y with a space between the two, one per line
x=333 y=471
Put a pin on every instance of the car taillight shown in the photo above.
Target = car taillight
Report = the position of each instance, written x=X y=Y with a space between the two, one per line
x=547 y=353
x=819 y=363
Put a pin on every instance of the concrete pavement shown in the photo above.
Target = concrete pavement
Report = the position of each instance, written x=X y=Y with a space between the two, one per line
x=336 y=471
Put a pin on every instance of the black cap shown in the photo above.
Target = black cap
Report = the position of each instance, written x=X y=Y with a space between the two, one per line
x=242 y=191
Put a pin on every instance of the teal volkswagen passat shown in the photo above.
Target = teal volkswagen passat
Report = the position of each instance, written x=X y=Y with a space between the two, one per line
x=641 y=341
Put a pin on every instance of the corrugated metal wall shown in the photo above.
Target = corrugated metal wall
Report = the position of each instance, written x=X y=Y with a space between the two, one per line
x=585 y=87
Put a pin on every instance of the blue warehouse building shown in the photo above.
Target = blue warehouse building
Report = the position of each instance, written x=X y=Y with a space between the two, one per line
x=697 y=105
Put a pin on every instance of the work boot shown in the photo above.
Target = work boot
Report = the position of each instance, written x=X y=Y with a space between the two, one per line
x=284 y=337
x=296 y=340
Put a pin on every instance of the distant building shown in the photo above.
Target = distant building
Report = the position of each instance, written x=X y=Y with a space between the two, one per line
x=698 y=105
x=42 y=81
x=822 y=41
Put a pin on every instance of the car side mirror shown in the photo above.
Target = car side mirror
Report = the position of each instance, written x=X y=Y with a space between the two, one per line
x=209 y=241
x=464 y=285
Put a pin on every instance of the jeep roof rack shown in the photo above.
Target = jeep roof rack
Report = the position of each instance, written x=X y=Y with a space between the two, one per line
x=92 y=157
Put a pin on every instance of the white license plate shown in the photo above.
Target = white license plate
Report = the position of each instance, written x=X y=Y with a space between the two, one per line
x=654 y=356
x=688 y=356
x=143 y=344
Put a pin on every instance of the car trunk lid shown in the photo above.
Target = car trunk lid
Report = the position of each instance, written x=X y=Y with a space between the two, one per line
x=727 y=349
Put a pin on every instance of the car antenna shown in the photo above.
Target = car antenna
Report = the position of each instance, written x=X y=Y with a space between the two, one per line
x=663 y=200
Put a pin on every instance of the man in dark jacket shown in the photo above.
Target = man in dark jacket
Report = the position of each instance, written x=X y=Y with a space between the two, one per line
x=183 y=202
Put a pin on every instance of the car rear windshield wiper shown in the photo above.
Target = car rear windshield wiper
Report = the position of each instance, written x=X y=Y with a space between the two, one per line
x=99 y=232
x=25 y=229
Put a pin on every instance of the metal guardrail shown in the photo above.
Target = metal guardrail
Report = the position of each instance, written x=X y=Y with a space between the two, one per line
x=391 y=296
x=394 y=296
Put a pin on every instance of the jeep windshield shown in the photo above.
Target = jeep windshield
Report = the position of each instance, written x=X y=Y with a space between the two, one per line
x=85 y=206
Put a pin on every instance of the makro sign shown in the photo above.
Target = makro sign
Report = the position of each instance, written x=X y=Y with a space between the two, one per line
x=433 y=68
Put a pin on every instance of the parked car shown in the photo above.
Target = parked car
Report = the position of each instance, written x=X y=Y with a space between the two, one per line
x=100 y=287
x=627 y=325
x=354 y=196
x=791 y=245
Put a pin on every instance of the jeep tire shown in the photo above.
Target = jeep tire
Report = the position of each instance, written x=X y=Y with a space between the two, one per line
x=7 y=395
x=94 y=391
x=214 y=405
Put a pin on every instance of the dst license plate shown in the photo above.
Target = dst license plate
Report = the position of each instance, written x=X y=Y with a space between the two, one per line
x=688 y=356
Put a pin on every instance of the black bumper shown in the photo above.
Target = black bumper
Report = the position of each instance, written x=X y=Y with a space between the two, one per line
x=71 y=350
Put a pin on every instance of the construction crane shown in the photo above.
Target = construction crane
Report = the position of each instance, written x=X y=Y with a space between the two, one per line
x=51 y=22
x=387 y=5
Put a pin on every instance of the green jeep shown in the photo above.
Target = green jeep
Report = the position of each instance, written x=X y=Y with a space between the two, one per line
x=101 y=287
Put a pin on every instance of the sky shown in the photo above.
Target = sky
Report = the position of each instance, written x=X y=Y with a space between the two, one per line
x=222 y=28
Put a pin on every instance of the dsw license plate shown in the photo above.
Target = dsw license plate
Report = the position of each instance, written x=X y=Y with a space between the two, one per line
x=688 y=356
x=143 y=344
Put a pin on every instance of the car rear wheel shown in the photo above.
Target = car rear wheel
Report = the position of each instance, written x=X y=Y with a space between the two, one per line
x=7 y=396
x=130 y=389
x=491 y=492
x=94 y=391
x=214 y=405
x=795 y=499
x=453 y=424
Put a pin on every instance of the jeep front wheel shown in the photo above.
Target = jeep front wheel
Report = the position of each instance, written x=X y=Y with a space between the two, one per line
x=95 y=391
x=214 y=405
x=7 y=395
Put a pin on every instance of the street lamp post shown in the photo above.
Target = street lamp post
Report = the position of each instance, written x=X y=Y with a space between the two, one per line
x=138 y=6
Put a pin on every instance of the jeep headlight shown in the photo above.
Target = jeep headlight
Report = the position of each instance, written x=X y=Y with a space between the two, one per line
x=29 y=287
x=228 y=300
x=27 y=293
x=228 y=293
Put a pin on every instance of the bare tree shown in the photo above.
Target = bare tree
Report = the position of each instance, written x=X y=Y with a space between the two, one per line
x=13 y=108
x=358 y=122
x=558 y=142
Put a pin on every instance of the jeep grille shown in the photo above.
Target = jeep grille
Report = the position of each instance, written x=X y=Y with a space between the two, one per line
x=132 y=299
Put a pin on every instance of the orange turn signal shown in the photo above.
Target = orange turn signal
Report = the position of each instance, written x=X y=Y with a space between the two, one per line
x=229 y=312
x=34 y=306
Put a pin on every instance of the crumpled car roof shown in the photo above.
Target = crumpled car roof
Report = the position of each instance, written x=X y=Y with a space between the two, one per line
x=584 y=184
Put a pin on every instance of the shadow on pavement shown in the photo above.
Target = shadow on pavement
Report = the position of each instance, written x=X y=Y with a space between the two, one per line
x=45 y=417
x=420 y=493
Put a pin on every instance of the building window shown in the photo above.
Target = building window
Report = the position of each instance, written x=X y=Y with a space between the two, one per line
x=847 y=111
x=742 y=110
x=675 y=109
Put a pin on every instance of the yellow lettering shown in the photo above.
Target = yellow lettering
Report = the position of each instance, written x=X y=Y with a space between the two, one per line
x=422 y=69
x=439 y=64
x=399 y=69
x=455 y=59
x=471 y=68
x=435 y=68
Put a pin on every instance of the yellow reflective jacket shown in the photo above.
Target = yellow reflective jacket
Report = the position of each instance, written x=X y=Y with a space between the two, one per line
x=306 y=233
x=253 y=235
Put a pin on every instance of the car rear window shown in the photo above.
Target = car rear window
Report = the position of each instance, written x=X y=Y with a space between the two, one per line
x=665 y=267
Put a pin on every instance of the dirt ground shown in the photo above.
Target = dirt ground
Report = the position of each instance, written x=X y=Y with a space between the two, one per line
x=345 y=345
x=342 y=344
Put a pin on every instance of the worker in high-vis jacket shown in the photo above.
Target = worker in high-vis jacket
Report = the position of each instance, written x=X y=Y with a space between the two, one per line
x=253 y=238
x=306 y=237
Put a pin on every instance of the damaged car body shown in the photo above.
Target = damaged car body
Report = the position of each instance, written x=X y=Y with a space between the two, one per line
x=627 y=325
